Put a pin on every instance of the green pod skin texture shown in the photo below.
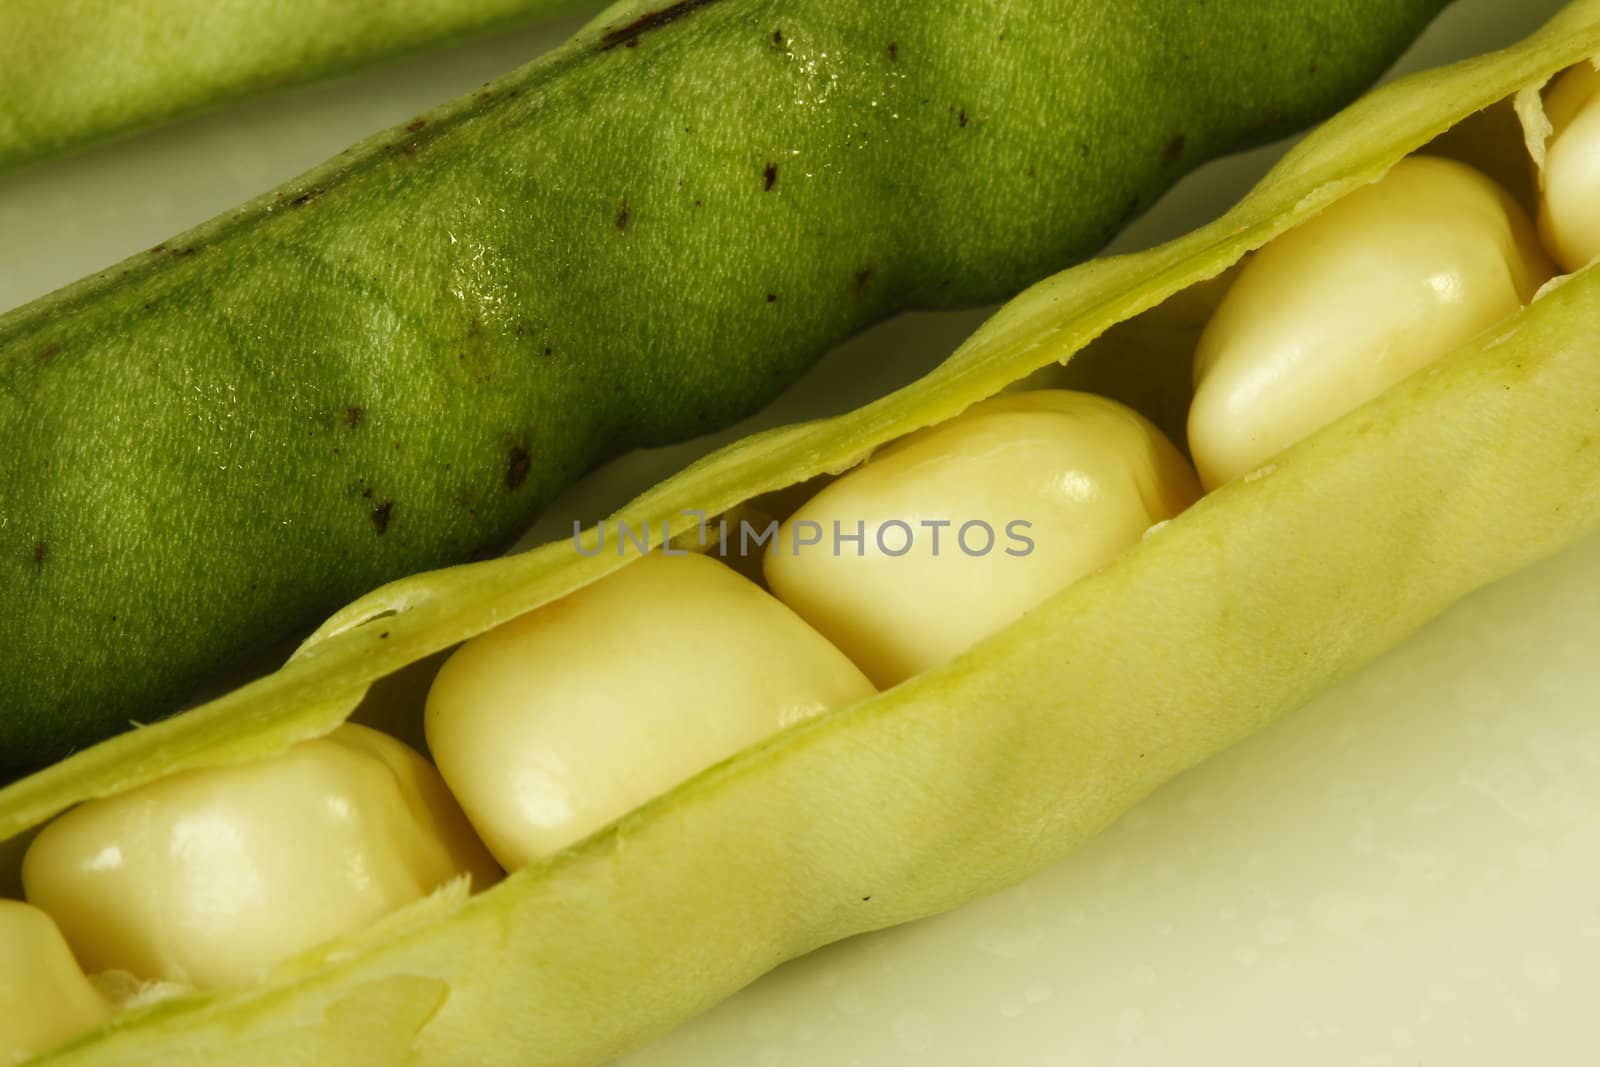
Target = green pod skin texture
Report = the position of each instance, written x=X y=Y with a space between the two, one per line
x=393 y=362
x=77 y=71
x=969 y=777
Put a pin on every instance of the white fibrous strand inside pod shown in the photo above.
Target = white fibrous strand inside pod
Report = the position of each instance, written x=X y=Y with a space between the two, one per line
x=560 y=721
x=1337 y=310
x=953 y=532
x=208 y=877
x=45 y=998
x=1569 y=204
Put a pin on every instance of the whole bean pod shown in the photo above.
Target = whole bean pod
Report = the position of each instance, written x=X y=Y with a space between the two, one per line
x=72 y=73
x=964 y=778
x=391 y=363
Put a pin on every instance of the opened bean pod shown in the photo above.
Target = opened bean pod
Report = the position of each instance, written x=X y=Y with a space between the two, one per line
x=664 y=752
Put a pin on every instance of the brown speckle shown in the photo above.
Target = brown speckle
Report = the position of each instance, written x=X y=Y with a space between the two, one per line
x=353 y=415
x=894 y=51
x=863 y=278
x=633 y=42
x=189 y=251
x=410 y=148
x=961 y=119
x=624 y=214
x=415 y=125
x=517 y=463
x=630 y=33
x=366 y=493
x=1312 y=70
x=41 y=552
x=1174 y=150
x=162 y=247
x=305 y=198
x=49 y=352
x=381 y=515
x=769 y=177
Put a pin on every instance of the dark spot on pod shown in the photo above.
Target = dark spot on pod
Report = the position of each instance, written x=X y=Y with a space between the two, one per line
x=353 y=415
x=189 y=251
x=1174 y=150
x=162 y=247
x=1312 y=70
x=623 y=216
x=961 y=119
x=777 y=39
x=49 y=351
x=415 y=125
x=517 y=463
x=383 y=636
x=305 y=198
x=366 y=494
x=410 y=148
x=41 y=552
x=772 y=298
x=894 y=51
x=769 y=177
x=381 y=515
x=633 y=42
x=862 y=279
x=630 y=33
x=547 y=350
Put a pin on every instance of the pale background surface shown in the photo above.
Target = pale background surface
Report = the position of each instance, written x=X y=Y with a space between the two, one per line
x=1405 y=873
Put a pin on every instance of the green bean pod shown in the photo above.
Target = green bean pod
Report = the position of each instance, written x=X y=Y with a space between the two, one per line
x=968 y=777
x=393 y=362
x=72 y=73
